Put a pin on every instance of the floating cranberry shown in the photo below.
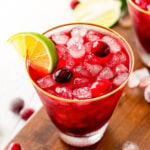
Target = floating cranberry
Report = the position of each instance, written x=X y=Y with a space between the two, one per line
x=99 y=87
x=74 y=3
x=17 y=105
x=26 y=114
x=63 y=75
x=100 y=49
x=14 y=146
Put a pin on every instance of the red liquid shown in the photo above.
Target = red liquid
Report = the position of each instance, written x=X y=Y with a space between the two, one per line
x=79 y=118
x=141 y=22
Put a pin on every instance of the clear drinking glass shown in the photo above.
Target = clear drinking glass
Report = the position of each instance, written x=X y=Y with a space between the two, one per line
x=83 y=122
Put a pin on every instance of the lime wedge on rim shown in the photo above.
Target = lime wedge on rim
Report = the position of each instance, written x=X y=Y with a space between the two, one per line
x=37 y=48
x=101 y=12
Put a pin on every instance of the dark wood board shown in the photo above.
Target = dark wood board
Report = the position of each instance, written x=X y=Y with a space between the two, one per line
x=130 y=121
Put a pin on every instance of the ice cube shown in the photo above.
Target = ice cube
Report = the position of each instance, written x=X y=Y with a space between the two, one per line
x=70 y=62
x=65 y=92
x=130 y=146
x=80 y=70
x=93 y=36
x=60 y=38
x=80 y=82
x=148 y=7
x=82 y=93
x=121 y=68
x=46 y=82
x=61 y=49
x=88 y=47
x=75 y=41
x=116 y=58
x=141 y=73
x=79 y=31
x=147 y=94
x=133 y=81
x=122 y=57
x=113 y=44
x=76 y=50
x=144 y=82
x=120 y=79
x=93 y=69
x=106 y=73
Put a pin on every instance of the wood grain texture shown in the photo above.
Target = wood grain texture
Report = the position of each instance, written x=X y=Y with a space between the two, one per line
x=130 y=121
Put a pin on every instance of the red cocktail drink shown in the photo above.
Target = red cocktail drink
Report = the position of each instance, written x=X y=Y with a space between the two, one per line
x=140 y=14
x=83 y=91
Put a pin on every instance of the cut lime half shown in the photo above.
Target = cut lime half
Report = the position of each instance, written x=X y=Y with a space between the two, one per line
x=101 y=12
x=37 y=48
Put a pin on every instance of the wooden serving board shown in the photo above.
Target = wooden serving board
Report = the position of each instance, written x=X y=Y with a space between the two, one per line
x=130 y=121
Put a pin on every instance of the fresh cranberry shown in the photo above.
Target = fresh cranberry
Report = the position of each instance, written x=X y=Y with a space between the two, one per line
x=100 y=49
x=74 y=3
x=63 y=75
x=26 y=114
x=17 y=105
x=14 y=146
x=99 y=87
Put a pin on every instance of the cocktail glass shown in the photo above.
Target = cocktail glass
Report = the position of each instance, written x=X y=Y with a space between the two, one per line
x=141 y=24
x=82 y=122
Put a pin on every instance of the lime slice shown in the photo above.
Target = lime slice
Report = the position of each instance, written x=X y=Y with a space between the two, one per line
x=101 y=12
x=37 y=48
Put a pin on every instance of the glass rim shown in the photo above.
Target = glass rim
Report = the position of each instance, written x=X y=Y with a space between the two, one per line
x=96 y=98
x=139 y=8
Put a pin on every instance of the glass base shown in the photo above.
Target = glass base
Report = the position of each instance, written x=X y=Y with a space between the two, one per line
x=87 y=140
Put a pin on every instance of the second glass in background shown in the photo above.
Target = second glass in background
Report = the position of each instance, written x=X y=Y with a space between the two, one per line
x=141 y=24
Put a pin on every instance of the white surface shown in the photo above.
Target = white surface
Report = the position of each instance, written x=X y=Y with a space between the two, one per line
x=16 y=16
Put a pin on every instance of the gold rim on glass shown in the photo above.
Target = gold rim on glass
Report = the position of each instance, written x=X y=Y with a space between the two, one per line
x=138 y=8
x=131 y=65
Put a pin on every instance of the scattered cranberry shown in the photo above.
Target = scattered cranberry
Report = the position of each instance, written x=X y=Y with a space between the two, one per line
x=74 y=3
x=100 y=49
x=14 y=146
x=17 y=105
x=99 y=87
x=26 y=114
x=63 y=75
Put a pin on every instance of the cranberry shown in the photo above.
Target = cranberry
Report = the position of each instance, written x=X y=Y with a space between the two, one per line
x=63 y=75
x=26 y=114
x=100 y=49
x=14 y=146
x=16 y=105
x=74 y=3
x=99 y=87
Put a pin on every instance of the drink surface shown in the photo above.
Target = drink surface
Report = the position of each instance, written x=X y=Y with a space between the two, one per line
x=91 y=64
x=144 y=4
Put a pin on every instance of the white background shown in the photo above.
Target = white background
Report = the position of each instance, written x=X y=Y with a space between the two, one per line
x=16 y=16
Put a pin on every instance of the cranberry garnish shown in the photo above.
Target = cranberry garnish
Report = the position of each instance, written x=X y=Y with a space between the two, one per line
x=16 y=105
x=26 y=114
x=74 y=3
x=100 y=49
x=63 y=75
x=14 y=146
x=99 y=87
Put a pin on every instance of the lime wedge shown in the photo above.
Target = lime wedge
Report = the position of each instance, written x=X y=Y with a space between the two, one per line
x=37 y=48
x=101 y=12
